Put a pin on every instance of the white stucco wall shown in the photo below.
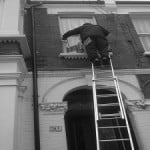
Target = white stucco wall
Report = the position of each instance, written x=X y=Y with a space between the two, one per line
x=9 y=24
x=53 y=86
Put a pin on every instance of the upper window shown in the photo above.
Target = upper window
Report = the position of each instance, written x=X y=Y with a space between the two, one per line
x=72 y=47
x=142 y=26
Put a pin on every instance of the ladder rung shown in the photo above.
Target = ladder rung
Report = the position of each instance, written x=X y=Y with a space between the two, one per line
x=110 y=118
x=112 y=127
x=109 y=115
x=108 y=104
x=114 y=140
x=105 y=79
x=105 y=87
x=106 y=95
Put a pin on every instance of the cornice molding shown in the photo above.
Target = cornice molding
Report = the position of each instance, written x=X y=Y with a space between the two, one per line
x=21 y=39
x=65 y=2
x=15 y=58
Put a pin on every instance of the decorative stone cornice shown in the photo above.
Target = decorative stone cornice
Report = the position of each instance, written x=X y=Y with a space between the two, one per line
x=53 y=108
x=21 y=39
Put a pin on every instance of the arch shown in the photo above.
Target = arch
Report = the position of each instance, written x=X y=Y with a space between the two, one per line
x=58 y=91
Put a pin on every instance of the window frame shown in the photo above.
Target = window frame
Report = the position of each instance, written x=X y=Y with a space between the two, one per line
x=62 y=15
x=139 y=15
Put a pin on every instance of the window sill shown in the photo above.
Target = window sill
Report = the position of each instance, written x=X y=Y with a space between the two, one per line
x=73 y=55
x=146 y=53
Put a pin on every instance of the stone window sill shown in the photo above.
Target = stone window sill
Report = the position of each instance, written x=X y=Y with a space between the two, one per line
x=73 y=55
x=146 y=53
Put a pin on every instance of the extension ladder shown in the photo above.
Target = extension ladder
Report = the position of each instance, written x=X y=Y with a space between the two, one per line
x=111 y=123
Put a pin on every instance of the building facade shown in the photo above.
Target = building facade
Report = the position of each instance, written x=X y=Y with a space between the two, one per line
x=32 y=30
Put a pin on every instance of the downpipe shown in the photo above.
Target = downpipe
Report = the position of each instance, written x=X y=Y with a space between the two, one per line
x=35 y=82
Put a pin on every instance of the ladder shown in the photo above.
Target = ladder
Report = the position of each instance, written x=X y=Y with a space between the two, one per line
x=111 y=123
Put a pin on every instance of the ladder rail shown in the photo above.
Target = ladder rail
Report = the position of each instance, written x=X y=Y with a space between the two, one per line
x=121 y=103
x=95 y=107
x=120 y=100
x=116 y=87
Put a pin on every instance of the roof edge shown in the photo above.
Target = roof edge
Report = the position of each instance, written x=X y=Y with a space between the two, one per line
x=133 y=2
x=65 y=2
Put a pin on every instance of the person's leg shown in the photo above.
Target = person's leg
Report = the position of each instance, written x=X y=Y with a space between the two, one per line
x=102 y=46
x=91 y=50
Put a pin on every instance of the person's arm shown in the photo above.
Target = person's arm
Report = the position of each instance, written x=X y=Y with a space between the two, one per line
x=71 y=32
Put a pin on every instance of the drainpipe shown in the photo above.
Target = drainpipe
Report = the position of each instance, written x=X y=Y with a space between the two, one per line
x=35 y=82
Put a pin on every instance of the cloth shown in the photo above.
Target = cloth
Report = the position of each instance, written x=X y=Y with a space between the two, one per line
x=87 y=30
x=96 y=48
x=94 y=39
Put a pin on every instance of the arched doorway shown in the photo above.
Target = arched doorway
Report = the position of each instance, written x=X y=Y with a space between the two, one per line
x=79 y=121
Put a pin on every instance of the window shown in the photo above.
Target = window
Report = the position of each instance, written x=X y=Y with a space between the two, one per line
x=72 y=47
x=142 y=26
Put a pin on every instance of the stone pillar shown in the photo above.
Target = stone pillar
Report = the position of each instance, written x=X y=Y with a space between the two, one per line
x=11 y=74
x=10 y=17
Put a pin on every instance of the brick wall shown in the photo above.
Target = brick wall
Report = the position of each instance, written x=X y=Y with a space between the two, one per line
x=127 y=49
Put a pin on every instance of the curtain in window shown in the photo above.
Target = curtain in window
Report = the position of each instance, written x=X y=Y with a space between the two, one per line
x=142 y=26
x=70 y=23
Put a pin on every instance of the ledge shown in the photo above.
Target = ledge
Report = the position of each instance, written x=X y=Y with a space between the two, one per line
x=64 y=2
x=21 y=39
x=18 y=59
x=73 y=55
x=146 y=53
x=132 y=2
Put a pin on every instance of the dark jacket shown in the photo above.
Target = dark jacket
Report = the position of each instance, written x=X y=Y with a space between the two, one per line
x=87 y=30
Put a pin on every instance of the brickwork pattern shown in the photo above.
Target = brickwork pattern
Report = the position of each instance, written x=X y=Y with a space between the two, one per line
x=127 y=49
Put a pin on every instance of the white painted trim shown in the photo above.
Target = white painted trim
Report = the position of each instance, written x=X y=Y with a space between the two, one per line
x=146 y=53
x=84 y=8
x=15 y=58
x=73 y=83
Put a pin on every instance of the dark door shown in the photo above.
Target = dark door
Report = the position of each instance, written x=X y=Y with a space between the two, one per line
x=79 y=121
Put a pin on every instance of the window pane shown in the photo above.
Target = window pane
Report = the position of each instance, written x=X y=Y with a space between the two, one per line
x=74 y=42
x=146 y=43
x=142 y=24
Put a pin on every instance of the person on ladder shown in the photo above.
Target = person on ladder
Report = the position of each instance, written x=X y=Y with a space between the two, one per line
x=94 y=40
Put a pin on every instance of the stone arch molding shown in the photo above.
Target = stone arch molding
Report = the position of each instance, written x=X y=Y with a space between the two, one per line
x=58 y=91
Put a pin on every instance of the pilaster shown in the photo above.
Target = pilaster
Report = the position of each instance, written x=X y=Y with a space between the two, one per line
x=12 y=73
